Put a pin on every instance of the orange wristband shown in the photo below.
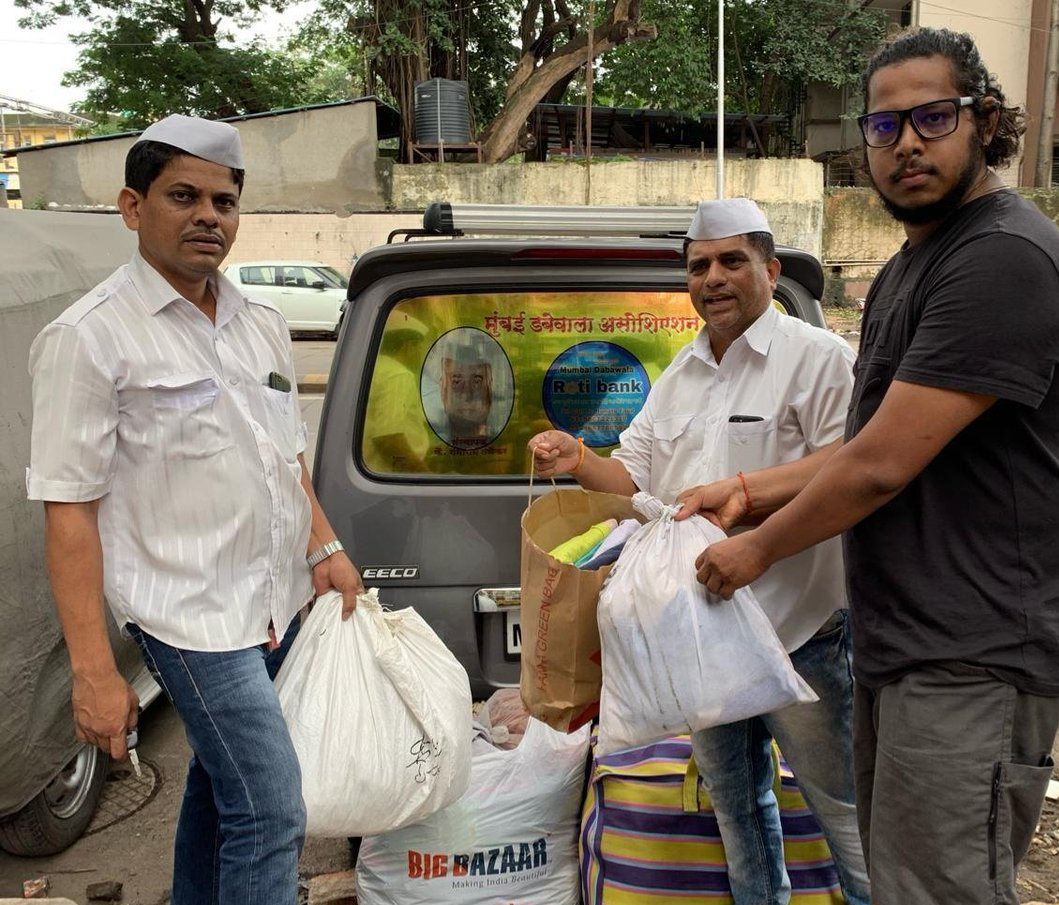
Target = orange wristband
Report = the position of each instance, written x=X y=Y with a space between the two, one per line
x=746 y=493
x=580 y=457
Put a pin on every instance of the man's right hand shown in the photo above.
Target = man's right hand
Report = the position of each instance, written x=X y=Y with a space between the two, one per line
x=722 y=502
x=554 y=453
x=105 y=708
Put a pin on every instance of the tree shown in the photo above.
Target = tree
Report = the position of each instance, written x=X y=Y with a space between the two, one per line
x=555 y=45
x=512 y=55
x=773 y=48
x=142 y=59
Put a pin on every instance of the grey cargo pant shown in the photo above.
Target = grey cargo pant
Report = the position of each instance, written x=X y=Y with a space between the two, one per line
x=951 y=769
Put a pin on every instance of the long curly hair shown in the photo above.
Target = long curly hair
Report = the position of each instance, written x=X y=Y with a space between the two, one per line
x=970 y=75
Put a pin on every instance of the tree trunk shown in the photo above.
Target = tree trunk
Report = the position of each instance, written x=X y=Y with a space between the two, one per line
x=535 y=77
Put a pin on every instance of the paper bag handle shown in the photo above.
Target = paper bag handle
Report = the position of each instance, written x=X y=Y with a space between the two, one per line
x=529 y=493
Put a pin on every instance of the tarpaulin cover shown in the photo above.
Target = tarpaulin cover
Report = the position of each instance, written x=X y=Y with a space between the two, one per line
x=47 y=261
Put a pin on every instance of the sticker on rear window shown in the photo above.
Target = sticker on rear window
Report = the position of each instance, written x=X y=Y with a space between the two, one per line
x=593 y=390
x=467 y=388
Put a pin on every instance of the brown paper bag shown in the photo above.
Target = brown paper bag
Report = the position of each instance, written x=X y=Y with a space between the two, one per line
x=561 y=676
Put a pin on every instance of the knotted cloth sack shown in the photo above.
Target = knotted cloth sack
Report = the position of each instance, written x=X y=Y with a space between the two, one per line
x=379 y=711
x=677 y=659
x=560 y=679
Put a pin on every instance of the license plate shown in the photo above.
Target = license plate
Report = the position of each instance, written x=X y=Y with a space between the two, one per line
x=513 y=633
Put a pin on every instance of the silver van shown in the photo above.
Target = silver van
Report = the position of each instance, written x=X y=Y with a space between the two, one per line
x=454 y=352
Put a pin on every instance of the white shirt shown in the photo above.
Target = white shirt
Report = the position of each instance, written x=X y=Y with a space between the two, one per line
x=139 y=401
x=797 y=379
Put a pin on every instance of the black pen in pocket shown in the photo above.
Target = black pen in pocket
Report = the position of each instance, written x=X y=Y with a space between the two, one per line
x=743 y=419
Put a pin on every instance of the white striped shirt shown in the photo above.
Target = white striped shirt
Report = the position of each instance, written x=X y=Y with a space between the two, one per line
x=139 y=401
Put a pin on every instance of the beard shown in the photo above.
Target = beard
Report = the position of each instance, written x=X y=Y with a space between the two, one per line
x=936 y=211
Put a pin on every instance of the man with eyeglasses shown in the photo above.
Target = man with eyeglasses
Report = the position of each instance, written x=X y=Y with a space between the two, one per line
x=947 y=489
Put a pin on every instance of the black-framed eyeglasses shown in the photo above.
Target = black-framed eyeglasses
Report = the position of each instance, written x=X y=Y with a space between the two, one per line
x=932 y=120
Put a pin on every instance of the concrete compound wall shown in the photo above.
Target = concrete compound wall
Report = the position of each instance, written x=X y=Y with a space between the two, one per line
x=847 y=228
x=315 y=237
x=790 y=191
x=318 y=159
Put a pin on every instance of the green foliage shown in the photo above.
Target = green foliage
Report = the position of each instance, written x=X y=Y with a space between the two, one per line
x=397 y=41
x=772 y=47
x=674 y=72
x=141 y=60
x=818 y=40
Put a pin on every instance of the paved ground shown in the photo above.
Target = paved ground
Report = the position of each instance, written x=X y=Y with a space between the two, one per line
x=312 y=362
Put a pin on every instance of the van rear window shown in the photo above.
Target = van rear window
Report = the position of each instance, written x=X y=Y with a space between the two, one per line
x=461 y=382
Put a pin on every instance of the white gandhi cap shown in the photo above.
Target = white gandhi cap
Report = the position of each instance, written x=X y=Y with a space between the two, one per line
x=727 y=217
x=205 y=138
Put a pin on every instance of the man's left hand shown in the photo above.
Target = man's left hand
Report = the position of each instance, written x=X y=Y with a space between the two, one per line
x=337 y=573
x=730 y=564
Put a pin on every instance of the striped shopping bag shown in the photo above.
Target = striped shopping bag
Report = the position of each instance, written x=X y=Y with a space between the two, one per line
x=648 y=834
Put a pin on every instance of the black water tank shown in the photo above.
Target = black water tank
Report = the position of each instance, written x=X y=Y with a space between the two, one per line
x=442 y=112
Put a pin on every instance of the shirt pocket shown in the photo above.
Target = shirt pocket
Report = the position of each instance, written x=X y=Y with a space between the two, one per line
x=672 y=433
x=280 y=422
x=752 y=444
x=185 y=410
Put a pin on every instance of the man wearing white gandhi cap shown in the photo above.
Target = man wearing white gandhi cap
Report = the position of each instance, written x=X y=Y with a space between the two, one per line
x=167 y=448
x=755 y=388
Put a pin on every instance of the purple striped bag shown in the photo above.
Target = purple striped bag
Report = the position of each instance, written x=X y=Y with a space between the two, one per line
x=648 y=834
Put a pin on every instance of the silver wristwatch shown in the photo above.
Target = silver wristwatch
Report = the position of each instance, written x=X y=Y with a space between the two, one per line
x=321 y=553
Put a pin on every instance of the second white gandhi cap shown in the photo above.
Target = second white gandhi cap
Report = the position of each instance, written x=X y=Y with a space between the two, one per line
x=727 y=217
x=205 y=138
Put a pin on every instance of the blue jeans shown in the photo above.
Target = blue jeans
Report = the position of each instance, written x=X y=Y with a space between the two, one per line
x=735 y=762
x=242 y=822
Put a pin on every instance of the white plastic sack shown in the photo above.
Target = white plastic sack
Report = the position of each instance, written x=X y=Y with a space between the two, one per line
x=677 y=659
x=512 y=838
x=380 y=714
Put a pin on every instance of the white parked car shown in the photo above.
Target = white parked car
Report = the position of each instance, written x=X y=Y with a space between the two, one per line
x=310 y=295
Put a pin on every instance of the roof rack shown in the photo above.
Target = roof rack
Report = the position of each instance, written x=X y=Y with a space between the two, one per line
x=443 y=218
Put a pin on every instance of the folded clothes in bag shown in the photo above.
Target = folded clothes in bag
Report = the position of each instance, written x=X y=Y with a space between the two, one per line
x=608 y=549
x=579 y=545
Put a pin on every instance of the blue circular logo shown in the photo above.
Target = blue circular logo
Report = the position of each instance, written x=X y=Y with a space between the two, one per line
x=593 y=390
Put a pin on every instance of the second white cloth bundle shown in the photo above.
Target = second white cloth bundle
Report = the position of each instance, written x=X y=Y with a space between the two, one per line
x=675 y=658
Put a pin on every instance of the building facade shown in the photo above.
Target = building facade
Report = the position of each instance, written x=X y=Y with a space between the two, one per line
x=1012 y=37
x=22 y=125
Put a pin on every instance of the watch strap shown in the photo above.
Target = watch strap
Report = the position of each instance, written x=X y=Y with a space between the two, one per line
x=321 y=553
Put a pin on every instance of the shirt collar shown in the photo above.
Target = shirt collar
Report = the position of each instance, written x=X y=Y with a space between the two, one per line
x=157 y=293
x=758 y=336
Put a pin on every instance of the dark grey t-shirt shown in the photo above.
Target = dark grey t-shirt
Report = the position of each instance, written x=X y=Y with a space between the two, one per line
x=963 y=564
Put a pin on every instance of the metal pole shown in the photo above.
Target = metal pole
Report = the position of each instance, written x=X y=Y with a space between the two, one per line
x=590 y=33
x=720 y=98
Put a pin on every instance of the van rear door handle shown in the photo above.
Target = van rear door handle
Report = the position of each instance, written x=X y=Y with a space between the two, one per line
x=495 y=600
